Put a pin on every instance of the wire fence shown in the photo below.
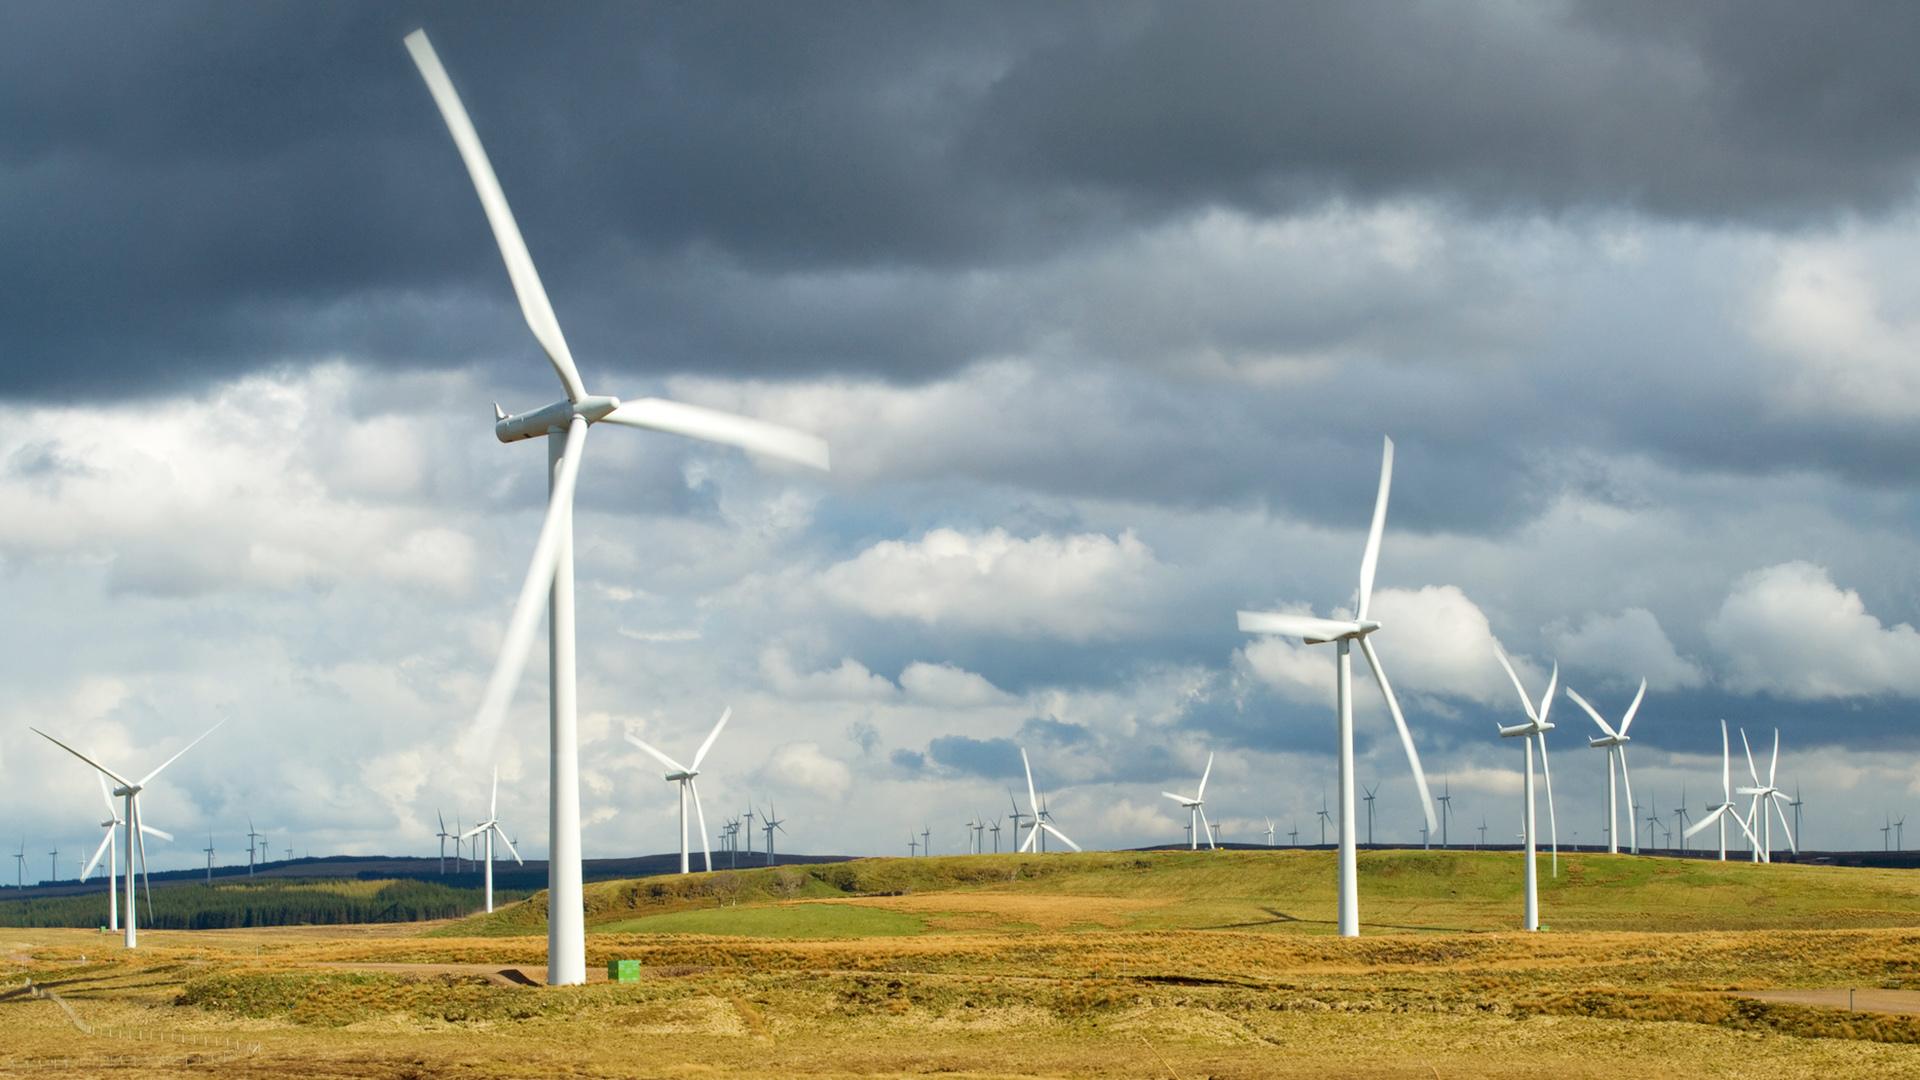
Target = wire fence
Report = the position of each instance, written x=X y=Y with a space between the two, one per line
x=144 y=1033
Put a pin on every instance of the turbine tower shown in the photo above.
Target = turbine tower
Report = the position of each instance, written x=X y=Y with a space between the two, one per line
x=1344 y=633
x=1680 y=816
x=136 y=832
x=995 y=829
x=1797 y=804
x=253 y=840
x=1042 y=821
x=20 y=868
x=683 y=775
x=488 y=829
x=109 y=846
x=564 y=425
x=1017 y=817
x=1269 y=832
x=1196 y=807
x=209 y=860
x=1724 y=809
x=1445 y=799
x=1535 y=728
x=443 y=835
x=1616 y=746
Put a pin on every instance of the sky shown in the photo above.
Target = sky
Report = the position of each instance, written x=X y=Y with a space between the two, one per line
x=1104 y=308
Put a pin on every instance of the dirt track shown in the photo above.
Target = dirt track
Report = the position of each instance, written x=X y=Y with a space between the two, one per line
x=1900 y=1002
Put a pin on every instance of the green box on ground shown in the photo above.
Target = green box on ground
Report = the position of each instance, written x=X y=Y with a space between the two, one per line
x=623 y=970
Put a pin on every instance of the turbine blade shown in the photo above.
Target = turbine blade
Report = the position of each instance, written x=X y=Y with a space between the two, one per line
x=1553 y=826
x=1773 y=767
x=176 y=757
x=727 y=429
x=1060 y=836
x=510 y=848
x=476 y=831
x=1726 y=766
x=1745 y=827
x=657 y=755
x=1582 y=702
x=140 y=839
x=1627 y=720
x=117 y=778
x=107 y=796
x=97 y=852
x=1300 y=626
x=1202 y=793
x=701 y=754
x=1525 y=703
x=1181 y=799
x=1370 y=561
x=1207 y=826
x=1546 y=699
x=1744 y=745
x=527 y=609
x=534 y=306
x=701 y=816
x=1400 y=723
x=1033 y=802
x=493 y=801
x=1775 y=802
x=149 y=830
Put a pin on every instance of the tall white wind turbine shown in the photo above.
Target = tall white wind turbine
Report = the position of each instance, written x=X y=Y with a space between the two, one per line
x=1344 y=633
x=488 y=829
x=1615 y=743
x=1041 y=820
x=1719 y=813
x=1196 y=807
x=564 y=425
x=109 y=846
x=1536 y=727
x=1767 y=796
x=683 y=775
x=137 y=832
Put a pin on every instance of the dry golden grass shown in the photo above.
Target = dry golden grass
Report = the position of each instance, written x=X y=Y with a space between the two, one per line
x=1011 y=980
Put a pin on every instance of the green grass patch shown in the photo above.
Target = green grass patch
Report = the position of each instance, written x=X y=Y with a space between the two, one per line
x=776 y=921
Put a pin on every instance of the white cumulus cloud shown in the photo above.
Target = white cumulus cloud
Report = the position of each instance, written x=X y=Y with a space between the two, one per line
x=1789 y=630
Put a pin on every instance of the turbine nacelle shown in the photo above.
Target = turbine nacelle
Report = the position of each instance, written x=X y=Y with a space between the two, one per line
x=551 y=418
x=1610 y=740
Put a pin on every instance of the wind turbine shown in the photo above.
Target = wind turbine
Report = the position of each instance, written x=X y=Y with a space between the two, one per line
x=253 y=840
x=488 y=829
x=1324 y=818
x=1899 y=843
x=53 y=866
x=1796 y=804
x=926 y=839
x=1722 y=811
x=564 y=425
x=1483 y=830
x=109 y=846
x=913 y=846
x=1042 y=821
x=1368 y=798
x=209 y=860
x=1654 y=824
x=768 y=823
x=1886 y=834
x=683 y=775
x=1616 y=746
x=20 y=867
x=443 y=836
x=1293 y=834
x=136 y=832
x=979 y=835
x=1017 y=817
x=1446 y=810
x=1344 y=633
x=748 y=816
x=1767 y=796
x=1269 y=832
x=1680 y=816
x=995 y=829
x=1535 y=728
x=1196 y=808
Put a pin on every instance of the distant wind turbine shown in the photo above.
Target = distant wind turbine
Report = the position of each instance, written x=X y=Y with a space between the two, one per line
x=136 y=834
x=683 y=775
x=1615 y=743
x=487 y=830
x=1535 y=728
x=1042 y=822
x=1196 y=807
x=1724 y=810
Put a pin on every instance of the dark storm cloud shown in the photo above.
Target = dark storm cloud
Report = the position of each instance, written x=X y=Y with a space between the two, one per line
x=196 y=190
x=992 y=758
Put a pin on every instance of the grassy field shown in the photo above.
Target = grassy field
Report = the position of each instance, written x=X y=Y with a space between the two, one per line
x=1122 y=965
